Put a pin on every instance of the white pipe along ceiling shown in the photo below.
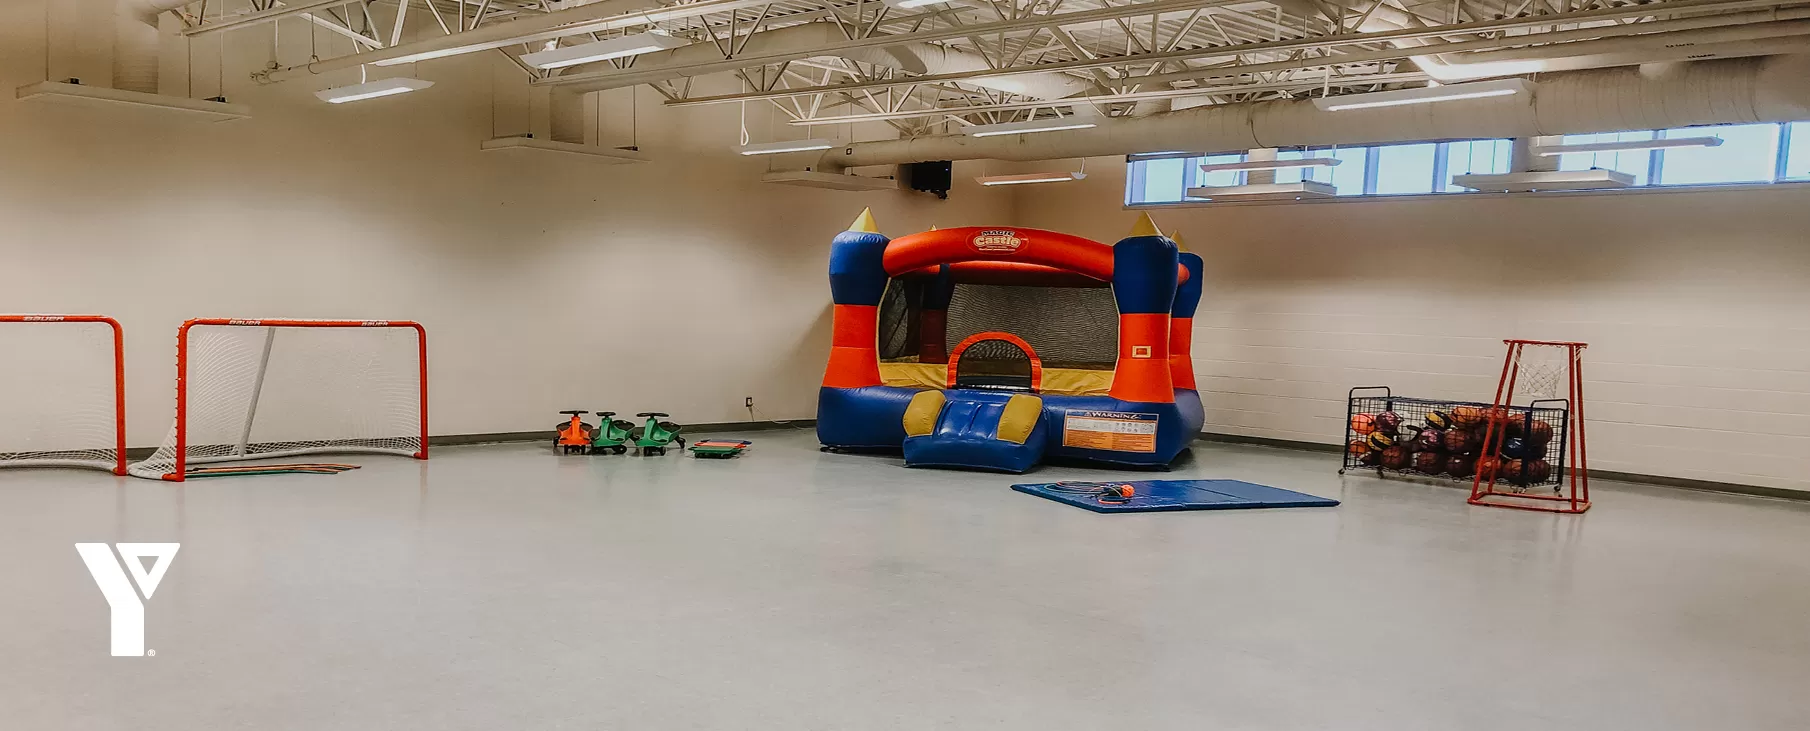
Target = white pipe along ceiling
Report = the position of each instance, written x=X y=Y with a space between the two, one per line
x=1727 y=91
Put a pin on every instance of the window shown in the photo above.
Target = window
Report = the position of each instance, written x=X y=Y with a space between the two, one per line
x=1404 y=169
x=1795 y=141
x=1152 y=181
x=1219 y=177
x=1347 y=176
x=1749 y=153
x=1474 y=157
x=1638 y=163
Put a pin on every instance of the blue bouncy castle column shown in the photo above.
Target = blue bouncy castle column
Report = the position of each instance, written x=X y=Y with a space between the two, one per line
x=1144 y=267
x=1181 y=320
x=857 y=281
x=853 y=408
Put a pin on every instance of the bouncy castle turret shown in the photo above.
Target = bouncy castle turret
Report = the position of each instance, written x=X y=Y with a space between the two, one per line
x=1144 y=282
x=857 y=281
x=1181 y=318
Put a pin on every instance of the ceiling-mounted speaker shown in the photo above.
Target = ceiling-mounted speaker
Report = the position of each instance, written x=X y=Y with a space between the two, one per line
x=935 y=176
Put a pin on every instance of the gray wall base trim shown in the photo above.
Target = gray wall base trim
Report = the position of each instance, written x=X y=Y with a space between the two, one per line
x=137 y=454
x=452 y=440
x=1656 y=480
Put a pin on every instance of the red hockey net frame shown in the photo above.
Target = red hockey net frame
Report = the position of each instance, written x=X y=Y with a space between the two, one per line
x=181 y=429
x=1573 y=496
x=118 y=458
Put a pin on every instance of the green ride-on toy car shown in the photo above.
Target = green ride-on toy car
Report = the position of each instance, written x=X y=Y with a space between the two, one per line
x=612 y=434
x=656 y=435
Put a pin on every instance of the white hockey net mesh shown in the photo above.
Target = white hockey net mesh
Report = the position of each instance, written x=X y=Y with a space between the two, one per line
x=258 y=392
x=58 y=395
x=1544 y=372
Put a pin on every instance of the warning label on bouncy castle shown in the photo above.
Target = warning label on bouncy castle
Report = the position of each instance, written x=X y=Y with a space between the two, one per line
x=1109 y=430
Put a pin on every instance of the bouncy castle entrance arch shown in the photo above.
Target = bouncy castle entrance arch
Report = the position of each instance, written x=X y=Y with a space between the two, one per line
x=1104 y=333
x=995 y=359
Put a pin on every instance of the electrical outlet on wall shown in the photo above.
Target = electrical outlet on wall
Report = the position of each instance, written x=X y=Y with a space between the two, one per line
x=748 y=401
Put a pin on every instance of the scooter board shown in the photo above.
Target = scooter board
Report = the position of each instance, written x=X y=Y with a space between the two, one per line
x=719 y=448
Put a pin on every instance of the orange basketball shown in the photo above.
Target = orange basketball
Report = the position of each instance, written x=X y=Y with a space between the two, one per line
x=1357 y=447
x=1466 y=417
x=1363 y=423
x=1487 y=466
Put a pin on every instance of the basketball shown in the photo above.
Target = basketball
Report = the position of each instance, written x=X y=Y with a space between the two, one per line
x=1363 y=423
x=1380 y=441
x=1487 y=467
x=1438 y=420
x=1395 y=458
x=1539 y=433
x=1466 y=417
x=1515 y=426
x=1521 y=449
x=1459 y=441
x=1357 y=448
x=1431 y=439
x=1431 y=463
x=1410 y=438
x=1536 y=471
x=1460 y=465
x=1387 y=422
x=1511 y=471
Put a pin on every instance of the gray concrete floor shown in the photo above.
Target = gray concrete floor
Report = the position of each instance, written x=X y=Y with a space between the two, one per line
x=501 y=587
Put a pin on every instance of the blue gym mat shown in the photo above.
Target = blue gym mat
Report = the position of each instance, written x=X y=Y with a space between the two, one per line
x=1164 y=495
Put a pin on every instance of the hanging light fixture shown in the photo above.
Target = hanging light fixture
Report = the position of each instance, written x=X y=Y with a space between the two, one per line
x=1630 y=145
x=783 y=146
x=1424 y=95
x=623 y=47
x=1309 y=162
x=1052 y=124
x=1027 y=178
x=372 y=90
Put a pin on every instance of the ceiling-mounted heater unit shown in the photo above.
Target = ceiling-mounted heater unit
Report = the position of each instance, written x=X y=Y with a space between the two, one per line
x=936 y=176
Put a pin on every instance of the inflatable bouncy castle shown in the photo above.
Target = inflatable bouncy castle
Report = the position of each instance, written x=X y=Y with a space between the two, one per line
x=997 y=347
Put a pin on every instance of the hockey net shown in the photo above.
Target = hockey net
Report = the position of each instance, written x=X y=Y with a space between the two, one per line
x=257 y=389
x=62 y=392
x=1536 y=374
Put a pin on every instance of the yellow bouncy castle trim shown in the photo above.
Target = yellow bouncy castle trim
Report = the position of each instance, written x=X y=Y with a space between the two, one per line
x=920 y=417
x=1058 y=381
x=864 y=223
x=1145 y=226
x=1019 y=417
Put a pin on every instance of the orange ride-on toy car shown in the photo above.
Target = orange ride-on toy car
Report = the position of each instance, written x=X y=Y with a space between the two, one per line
x=574 y=435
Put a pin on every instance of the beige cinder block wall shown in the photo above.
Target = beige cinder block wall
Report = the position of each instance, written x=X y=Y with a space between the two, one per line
x=1695 y=306
x=681 y=285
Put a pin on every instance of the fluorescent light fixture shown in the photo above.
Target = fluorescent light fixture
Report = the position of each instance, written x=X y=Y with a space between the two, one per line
x=1666 y=144
x=1424 y=95
x=1308 y=162
x=557 y=58
x=1592 y=179
x=1027 y=178
x=372 y=90
x=119 y=99
x=783 y=146
x=1052 y=124
x=828 y=181
x=914 y=4
x=1266 y=191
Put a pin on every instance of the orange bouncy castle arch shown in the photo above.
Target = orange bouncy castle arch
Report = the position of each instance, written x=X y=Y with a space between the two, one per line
x=1086 y=353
